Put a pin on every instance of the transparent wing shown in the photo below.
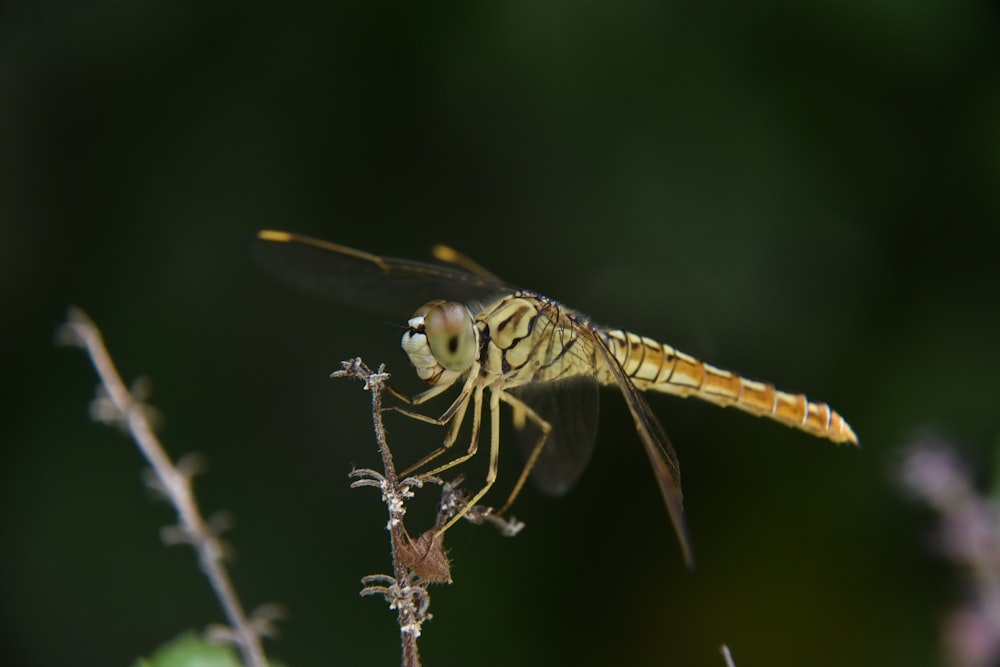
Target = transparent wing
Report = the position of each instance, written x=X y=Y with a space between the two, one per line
x=571 y=407
x=385 y=286
x=658 y=448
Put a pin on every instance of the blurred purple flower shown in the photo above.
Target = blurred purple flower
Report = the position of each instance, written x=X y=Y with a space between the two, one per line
x=970 y=638
x=969 y=536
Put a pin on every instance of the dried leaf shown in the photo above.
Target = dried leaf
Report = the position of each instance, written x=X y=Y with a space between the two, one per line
x=426 y=558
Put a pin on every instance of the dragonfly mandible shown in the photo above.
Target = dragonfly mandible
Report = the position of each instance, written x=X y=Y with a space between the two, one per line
x=500 y=344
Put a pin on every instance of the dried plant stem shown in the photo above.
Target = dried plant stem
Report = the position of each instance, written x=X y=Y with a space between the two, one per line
x=408 y=638
x=173 y=481
x=405 y=594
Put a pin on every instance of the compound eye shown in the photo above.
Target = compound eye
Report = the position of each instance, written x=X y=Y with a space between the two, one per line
x=450 y=334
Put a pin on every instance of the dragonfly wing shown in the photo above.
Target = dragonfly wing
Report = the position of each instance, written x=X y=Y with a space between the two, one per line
x=449 y=255
x=658 y=448
x=571 y=408
x=385 y=286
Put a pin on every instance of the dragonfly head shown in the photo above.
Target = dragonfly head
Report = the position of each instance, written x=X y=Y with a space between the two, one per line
x=441 y=341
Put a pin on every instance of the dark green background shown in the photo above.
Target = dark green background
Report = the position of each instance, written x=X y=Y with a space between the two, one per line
x=804 y=192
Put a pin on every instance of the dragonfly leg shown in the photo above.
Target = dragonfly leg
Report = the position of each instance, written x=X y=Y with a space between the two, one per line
x=491 y=473
x=522 y=411
x=477 y=411
x=422 y=397
x=449 y=440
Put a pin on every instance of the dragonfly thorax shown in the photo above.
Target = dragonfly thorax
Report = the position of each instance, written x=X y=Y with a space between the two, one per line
x=441 y=341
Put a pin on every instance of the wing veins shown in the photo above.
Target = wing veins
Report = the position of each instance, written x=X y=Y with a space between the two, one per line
x=658 y=448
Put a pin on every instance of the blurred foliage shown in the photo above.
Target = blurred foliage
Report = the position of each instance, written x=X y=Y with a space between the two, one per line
x=191 y=651
x=804 y=192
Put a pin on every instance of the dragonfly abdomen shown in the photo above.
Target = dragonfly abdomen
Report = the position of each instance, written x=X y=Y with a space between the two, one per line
x=655 y=366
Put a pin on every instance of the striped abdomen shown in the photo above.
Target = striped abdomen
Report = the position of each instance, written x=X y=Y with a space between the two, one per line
x=658 y=367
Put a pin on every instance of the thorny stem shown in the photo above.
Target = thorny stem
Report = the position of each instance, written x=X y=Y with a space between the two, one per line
x=174 y=482
x=410 y=601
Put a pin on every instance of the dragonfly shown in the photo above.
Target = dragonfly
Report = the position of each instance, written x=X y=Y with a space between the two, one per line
x=503 y=345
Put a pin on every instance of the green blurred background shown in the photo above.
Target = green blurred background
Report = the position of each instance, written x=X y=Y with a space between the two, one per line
x=804 y=192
